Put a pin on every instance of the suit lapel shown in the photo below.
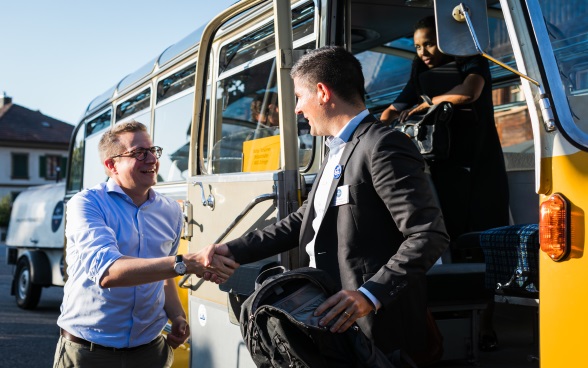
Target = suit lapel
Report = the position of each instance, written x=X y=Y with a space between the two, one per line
x=306 y=230
x=349 y=148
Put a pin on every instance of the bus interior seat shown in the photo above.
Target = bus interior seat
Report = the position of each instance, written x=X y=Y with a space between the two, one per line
x=510 y=250
x=458 y=284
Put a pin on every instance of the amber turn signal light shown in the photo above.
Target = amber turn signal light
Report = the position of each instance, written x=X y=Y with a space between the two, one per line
x=554 y=227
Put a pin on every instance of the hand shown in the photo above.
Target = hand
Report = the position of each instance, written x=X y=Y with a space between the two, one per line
x=346 y=307
x=389 y=115
x=419 y=109
x=180 y=332
x=213 y=255
x=213 y=266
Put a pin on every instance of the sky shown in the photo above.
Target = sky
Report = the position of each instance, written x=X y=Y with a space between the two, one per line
x=57 y=56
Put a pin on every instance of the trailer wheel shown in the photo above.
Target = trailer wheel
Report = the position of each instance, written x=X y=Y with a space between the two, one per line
x=27 y=293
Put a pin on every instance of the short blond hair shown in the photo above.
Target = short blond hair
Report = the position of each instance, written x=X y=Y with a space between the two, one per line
x=109 y=144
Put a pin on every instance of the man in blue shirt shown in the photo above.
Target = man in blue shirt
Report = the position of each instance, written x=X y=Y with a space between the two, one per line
x=121 y=240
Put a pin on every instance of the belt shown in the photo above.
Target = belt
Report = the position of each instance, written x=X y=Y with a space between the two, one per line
x=66 y=335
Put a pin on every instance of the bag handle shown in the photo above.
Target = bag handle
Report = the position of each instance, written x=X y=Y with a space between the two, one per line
x=427 y=99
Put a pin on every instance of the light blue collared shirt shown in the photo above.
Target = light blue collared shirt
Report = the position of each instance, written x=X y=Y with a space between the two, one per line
x=103 y=224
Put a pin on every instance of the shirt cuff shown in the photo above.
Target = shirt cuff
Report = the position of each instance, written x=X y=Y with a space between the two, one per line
x=371 y=297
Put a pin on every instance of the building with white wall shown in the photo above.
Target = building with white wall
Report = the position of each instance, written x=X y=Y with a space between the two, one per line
x=33 y=148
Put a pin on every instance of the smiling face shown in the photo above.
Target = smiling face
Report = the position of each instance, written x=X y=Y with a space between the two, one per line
x=134 y=176
x=308 y=104
x=425 y=43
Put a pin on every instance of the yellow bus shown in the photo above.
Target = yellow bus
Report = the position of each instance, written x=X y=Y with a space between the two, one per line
x=233 y=172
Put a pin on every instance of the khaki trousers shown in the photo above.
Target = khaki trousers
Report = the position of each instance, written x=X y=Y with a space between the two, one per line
x=70 y=354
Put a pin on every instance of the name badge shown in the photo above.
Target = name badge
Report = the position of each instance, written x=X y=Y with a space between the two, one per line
x=341 y=196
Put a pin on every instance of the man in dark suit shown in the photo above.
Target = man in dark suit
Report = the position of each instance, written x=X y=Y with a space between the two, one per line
x=370 y=220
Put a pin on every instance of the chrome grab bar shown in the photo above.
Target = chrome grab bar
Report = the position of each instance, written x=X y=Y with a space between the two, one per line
x=254 y=202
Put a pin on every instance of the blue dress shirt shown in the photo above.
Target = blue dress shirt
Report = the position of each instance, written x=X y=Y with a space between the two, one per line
x=103 y=224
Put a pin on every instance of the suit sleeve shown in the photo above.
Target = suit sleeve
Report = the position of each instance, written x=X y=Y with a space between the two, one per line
x=273 y=239
x=398 y=176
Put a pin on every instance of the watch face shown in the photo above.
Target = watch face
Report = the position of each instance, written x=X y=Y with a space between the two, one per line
x=180 y=268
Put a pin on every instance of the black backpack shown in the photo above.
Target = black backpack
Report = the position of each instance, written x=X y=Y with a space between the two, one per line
x=280 y=330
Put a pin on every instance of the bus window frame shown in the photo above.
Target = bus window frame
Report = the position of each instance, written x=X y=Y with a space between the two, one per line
x=214 y=76
x=539 y=58
x=148 y=87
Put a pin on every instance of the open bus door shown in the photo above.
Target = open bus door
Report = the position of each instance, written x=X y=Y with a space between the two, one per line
x=244 y=168
x=550 y=45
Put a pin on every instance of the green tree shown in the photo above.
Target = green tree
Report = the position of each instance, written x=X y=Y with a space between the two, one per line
x=4 y=210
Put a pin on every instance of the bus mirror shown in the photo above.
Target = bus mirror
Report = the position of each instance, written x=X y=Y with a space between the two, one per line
x=453 y=32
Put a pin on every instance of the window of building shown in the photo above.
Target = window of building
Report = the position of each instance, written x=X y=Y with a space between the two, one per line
x=20 y=166
x=52 y=167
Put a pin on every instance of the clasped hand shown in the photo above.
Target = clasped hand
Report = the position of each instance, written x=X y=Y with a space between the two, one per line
x=210 y=265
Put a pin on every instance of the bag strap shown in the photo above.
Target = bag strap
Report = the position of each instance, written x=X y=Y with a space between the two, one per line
x=427 y=99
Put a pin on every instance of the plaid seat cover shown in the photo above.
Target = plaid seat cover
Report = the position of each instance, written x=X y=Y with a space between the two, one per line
x=512 y=257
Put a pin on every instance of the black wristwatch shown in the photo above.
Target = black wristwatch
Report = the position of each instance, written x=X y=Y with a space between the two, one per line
x=180 y=266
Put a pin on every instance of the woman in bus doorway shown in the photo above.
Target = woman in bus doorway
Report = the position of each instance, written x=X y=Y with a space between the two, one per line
x=471 y=184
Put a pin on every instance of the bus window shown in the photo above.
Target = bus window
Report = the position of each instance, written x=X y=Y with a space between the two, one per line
x=568 y=33
x=175 y=83
x=133 y=105
x=74 y=178
x=99 y=123
x=246 y=135
x=93 y=169
x=262 y=41
x=237 y=96
x=171 y=131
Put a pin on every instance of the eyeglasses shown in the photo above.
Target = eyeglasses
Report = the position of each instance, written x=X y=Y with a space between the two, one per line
x=141 y=153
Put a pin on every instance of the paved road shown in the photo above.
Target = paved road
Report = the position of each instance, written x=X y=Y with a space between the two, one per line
x=27 y=338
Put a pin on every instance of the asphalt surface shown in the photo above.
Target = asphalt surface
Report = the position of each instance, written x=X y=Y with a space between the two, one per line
x=27 y=337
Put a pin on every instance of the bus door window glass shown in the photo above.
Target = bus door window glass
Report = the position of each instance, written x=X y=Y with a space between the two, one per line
x=74 y=178
x=171 y=131
x=133 y=105
x=568 y=31
x=93 y=168
x=240 y=97
x=511 y=114
x=245 y=136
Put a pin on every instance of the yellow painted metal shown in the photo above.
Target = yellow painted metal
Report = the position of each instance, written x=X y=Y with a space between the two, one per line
x=182 y=353
x=563 y=312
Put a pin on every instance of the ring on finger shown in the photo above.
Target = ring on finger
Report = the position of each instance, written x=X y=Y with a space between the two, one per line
x=347 y=314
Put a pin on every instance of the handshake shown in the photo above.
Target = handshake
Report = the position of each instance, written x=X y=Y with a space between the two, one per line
x=214 y=263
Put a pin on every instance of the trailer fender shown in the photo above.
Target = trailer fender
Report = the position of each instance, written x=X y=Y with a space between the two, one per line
x=40 y=269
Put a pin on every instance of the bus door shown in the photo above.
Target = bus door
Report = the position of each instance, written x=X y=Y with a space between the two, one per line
x=246 y=156
x=550 y=45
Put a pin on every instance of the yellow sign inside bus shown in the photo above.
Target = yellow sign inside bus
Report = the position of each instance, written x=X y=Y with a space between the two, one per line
x=261 y=154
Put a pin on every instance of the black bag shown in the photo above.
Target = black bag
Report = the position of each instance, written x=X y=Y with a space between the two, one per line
x=280 y=330
x=430 y=131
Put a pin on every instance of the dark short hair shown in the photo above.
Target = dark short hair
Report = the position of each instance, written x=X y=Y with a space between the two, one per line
x=335 y=67
x=426 y=23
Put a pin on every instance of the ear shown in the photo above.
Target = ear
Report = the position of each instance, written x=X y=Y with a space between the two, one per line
x=323 y=93
x=109 y=164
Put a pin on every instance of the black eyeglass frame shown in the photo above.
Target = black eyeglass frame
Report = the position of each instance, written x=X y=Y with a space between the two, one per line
x=141 y=153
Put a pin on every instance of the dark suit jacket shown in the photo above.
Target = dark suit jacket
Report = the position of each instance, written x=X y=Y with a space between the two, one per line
x=385 y=239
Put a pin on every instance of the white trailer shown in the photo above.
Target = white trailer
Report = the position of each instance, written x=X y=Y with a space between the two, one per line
x=35 y=242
